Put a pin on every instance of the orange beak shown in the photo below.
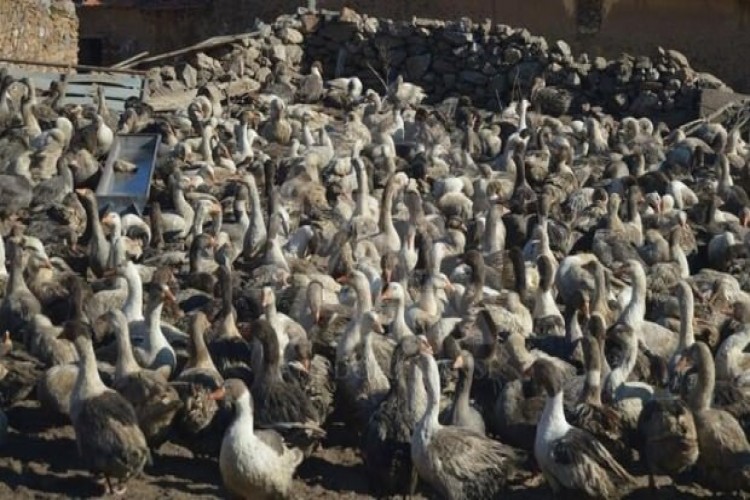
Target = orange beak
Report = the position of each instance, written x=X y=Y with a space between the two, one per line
x=458 y=363
x=218 y=394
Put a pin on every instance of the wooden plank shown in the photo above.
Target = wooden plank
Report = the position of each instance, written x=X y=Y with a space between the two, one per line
x=106 y=80
x=39 y=79
x=77 y=67
x=205 y=44
x=130 y=60
x=109 y=92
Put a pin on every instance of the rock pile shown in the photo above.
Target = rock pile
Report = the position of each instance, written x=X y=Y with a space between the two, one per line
x=249 y=60
x=491 y=63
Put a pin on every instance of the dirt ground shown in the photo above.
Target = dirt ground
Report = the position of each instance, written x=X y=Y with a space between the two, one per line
x=40 y=460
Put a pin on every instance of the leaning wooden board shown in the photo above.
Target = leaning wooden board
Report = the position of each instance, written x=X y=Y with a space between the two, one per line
x=81 y=87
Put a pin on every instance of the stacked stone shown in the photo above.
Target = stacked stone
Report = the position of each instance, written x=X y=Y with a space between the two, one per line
x=249 y=60
x=493 y=63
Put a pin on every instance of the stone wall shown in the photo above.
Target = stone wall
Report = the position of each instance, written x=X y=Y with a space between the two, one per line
x=492 y=63
x=40 y=30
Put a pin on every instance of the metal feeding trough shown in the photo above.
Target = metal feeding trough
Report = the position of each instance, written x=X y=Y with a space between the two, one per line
x=126 y=179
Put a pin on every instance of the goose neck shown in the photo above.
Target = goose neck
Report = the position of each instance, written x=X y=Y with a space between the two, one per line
x=463 y=389
x=362 y=189
x=635 y=311
x=620 y=374
x=155 y=334
x=16 y=282
x=687 y=335
x=88 y=383
x=126 y=364
x=678 y=255
x=552 y=423
x=244 y=418
x=200 y=357
x=702 y=394
x=133 y=307
x=431 y=378
x=364 y=297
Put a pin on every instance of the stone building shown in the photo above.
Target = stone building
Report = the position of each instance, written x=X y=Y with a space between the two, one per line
x=39 y=30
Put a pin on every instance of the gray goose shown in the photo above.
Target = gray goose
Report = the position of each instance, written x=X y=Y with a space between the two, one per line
x=457 y=462
x=572 y=459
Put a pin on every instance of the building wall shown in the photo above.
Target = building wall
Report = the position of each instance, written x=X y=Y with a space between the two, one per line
x=40 y=30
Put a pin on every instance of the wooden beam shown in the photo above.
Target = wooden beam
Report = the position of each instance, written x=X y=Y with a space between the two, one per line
x=130 y=60
x=205 y=44
x=81 y=67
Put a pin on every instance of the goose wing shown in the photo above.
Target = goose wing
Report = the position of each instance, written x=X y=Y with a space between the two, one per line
x=585 y=464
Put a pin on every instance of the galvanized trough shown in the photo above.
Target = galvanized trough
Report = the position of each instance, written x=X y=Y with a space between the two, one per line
x=125 y=191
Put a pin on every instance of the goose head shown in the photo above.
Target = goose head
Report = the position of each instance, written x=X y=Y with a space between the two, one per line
x=547 y=375
x=235 y=392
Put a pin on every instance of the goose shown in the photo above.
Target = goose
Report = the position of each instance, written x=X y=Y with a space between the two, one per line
x=460 y=413
x=656 y=338
x=198 y=422
x=626 y=396
x=253 y=464
x=106 y=426
x=589 y=413
x=724 y=459
x=98 y=250
x=311 y=87
x=363 y=384
x=457 y=462
x=547 y=317
x=19 y=305
x=288 y=331
x=276 y=400
x=398 y=329
x=571 y=459
x=155 y=402
x=387 y=439
x=152 y=350
x=732 y=363
x=670 y=442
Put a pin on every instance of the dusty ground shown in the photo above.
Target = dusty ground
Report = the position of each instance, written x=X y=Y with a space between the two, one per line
x=40 y=460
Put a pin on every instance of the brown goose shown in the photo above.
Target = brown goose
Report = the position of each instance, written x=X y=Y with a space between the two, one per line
x=724 y=460
x=277 y=401
x=669 y=440
x=155 y=402
x=106 y=426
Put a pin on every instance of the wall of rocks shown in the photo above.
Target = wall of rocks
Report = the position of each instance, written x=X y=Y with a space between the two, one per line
x=491 y=63
x=43 y=30
x=241 y=64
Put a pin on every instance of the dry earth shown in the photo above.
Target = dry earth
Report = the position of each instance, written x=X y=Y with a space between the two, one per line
x=40 y=460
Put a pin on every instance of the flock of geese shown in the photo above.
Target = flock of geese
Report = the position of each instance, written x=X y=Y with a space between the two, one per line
x=478 y=296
